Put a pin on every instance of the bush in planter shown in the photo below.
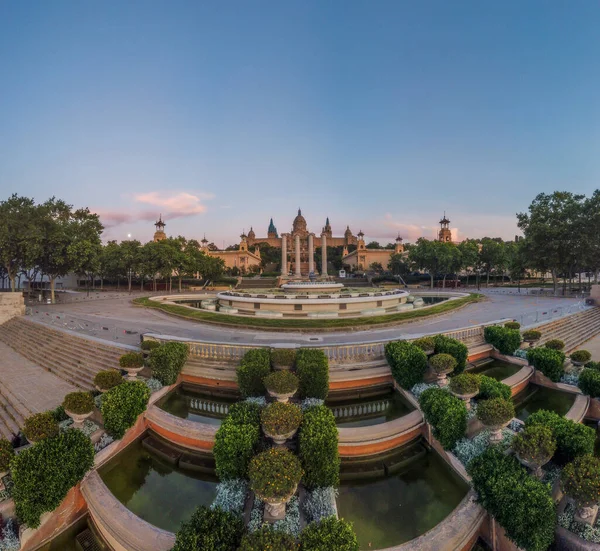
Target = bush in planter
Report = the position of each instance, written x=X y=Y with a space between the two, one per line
x=465 y=383
x=535 y=443
x=495 y=411
x=491 y=388
x=254 y=367
x=79 y=403
x=442 y=363
x=572 y=439
x=512 y=325
x=278 y=418
x=268 y=538
x=505 y=340
x=210 y=530
x=312 y=367
x=581 y=480
x=446 y=414
x=532 y=335
x=427 y=344
x=244 y=413
x=589 y=382
x=121 y=406
x=330 y=534
x=407 y=361
x=458 y=350
x=521 y=504
x=555 y=344
x=318 y=448
x=131 y=359
x=148 y=346
x=281 y=382
x=283 y=357
x=549 y=362
x=39 y=426
x=6 y=454
x=167 y=361
x=105 y=380
x=275 y=473
x=581 y=356
x=593 y=365
x=44 y=473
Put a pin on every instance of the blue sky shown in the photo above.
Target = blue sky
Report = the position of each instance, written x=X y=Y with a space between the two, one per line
x=380 y=115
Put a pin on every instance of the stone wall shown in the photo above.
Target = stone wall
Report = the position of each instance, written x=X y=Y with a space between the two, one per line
x=595 y=293
x=11 y=305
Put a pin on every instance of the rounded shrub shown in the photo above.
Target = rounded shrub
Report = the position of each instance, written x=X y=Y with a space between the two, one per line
x=442 y=363
x=275 y=473
x=457 y=349
x=268 y=538
x=589 y=382
x=283 y=357
x=447 y=415
x=210 y=530
x=581 y=356
x=79 y=403
x=39 y=426
x=593 y=365
x=491 y=388
x=465 y=383
x=407 y=361
x=121 y=406
x=44 y=473
x=131 y=359
x=281 y=382
x=549 y=362
x=244 y=413
x=254 y=367
x=105 y=380
x=312 y=368
x=167 y=361
x=512 y=325
x=278 y=418
x=505 y=340
x=581 y=479
x=330 y=534
x=6 y=454
x=555 y=344
x=532 y=335
x=148 y=346
x=535 y=444
x=427 y=344
x=495 y=411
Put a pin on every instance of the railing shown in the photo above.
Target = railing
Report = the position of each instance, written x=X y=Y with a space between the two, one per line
x=341 y=412
x=199 y=404
x=548 y=314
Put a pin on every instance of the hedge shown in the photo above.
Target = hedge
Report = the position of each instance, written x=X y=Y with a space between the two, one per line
x=210 y=530
x=522 y=504
x=408 y=363
x=318 y=448
x=167 y=361
x=254 y=367
x=456 y=348
x=589 y=382
x=502 y=338
x=121 y=406
x=312 y=368
x=549 y=362
x=491 y=388
x=572 y=439
x=44 y=473
x=447 y=415
x=268 y=538
x=330 y=534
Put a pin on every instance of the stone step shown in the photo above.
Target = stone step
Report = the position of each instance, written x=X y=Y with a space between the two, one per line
x=21 y=409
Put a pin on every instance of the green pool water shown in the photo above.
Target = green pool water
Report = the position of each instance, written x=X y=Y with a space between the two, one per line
x=364 y=411
x=393 y=509
x=193 y=404
x=535 y=397
x=154 y=490
x=497 y=369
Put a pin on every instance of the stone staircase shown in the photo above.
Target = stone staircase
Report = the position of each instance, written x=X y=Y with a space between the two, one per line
x=73 y=359
x=574 y=330
x=12 y=413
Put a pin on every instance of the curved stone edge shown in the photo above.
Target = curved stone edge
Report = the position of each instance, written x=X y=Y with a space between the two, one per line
x=564 y=540
x=384 y=431
x=519 y=380
x=122 y=529
x=579 y=408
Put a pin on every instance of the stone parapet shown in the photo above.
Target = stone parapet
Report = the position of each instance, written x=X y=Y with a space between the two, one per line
x=11 y=305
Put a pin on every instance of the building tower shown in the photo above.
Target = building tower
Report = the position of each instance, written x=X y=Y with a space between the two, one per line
x=348 y=236
x=399 y=247
x=159 y=234
x=327 y=229
x=272 y=231
x=204 y=244
x=445 y=235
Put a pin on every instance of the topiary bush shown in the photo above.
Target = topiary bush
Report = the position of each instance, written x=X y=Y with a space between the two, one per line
x=39 y=426
x=581 y=480
x=278 y=418
x=465 y=383
x=491 y=388
x=532 y=335
x=504 y=339
x=555 y=344
x=442 y=363
x=495 y=411
x=589 y=382
x=268 y=538
x=79 y=403
x=283 y=357
x=593 y=365
x=244 y=413
x=426 y=344
x=44 y=473
x=454 y=347
x=6 y=454
x=580 y=356
x=330 y=534
x=572 y=439
x=521 y=504
x=131 y=359
x=281 y=382
x=168 y=360
x=407 y=361
x=105 y=380
x=275 y=473
x=148 y=346
x=254 y=367
x=446 y=414
x=549 y=362
x=210 y=530
x=318 y=448
x=121 y=406
x=312 y=367
x=512 y=325
x=535 y=444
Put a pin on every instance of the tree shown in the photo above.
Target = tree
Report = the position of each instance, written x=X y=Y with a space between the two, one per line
x=491 y=256
x=516 y=260
x=398 y=265
x=376 y=267
x=84 y=249
x=469 y=252
x=424 y=254
x=449 y=259
x=130 y=260
x=373 y=245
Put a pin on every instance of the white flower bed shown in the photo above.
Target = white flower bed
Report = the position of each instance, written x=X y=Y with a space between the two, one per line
x=584 y=531
x=468 y=449
x=260 y=401
x=10 y=537
x=89 y=427
x=311 y=402
x=290 y=524
x=419 y=388
x=231 y=495
x=104 y=441
x=153 y=384
x=319 y=503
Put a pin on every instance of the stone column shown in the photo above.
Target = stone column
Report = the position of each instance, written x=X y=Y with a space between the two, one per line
x=298 y=272
x=311 y=252
x=284 y=269
x=323 y=254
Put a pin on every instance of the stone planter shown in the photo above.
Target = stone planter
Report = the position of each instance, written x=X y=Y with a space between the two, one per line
x=535 y=467
x=442 y=380
x=587 y=513
x=577 y=364
x=2 y=475
x=100 y=389
x=78 y=418
x=466 y=398
x=275 y=508
x=280 y=439
x=280 y=367
x=283 y=398
x=132 y=372
x=531 y=342
x=496 y=432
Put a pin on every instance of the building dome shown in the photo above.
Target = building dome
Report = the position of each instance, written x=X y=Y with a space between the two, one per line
x=299 y=225
x=348 y=232
x=251 y=234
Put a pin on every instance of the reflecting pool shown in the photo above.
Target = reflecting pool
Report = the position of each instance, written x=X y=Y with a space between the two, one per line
x=535 y=397
x=496 y=369
x=196 y=405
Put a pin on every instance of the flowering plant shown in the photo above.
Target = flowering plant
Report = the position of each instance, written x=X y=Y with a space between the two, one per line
x=275 y=473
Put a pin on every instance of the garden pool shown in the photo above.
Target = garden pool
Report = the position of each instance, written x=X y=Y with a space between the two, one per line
x=496 y=369
x=393 y=509
x=535 y=397
x=156 y=491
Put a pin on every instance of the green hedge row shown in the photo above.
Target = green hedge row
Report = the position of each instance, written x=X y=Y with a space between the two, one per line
x=167 y=361
x=254 y=367
x=549 y=362
x=491 y=388
x=447 y=415
x=407 y=361
x=121 y=406
x=589 y=382
x=505 y=340
x=456 y=349
x=312 y=368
